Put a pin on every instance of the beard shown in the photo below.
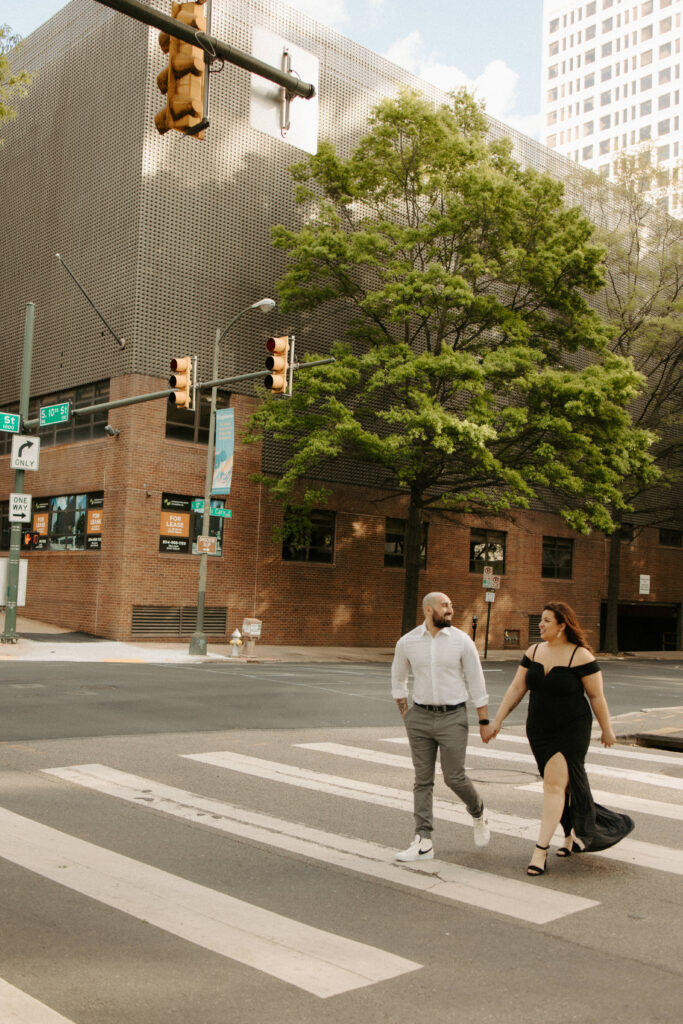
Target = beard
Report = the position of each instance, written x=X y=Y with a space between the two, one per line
x=440 y=623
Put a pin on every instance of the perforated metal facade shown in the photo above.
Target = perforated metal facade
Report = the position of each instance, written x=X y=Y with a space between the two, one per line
x=169 y=235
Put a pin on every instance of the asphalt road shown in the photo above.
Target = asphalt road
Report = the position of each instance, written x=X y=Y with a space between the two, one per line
x=41 y=700
x=198 y=844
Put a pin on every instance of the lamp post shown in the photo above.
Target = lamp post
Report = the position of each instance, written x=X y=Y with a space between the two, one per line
x=198 y=638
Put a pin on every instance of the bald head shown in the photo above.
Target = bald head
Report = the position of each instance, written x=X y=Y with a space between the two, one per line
x=438 y=610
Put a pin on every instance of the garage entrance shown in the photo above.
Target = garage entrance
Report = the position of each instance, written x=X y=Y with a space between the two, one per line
x=645 y=627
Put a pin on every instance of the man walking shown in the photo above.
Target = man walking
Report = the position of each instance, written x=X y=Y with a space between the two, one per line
x=445 y=667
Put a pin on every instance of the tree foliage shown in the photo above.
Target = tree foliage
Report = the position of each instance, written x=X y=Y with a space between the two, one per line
x=475 y=375
x=12 y=84
x=643 y=303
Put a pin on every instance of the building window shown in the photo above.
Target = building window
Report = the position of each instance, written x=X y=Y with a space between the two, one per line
x=587 y=153
x=646 y=8
x=590 y=33
x=664 y=127
x=671 y=538
x=606 y=50
x=645 y=133
x=554 y=25
x=181 y=522
x=645 y=33
x=553 y=49
x=589 y=57
x=394 y=544
x=604 y=147
x=645 y=58
x=664 y=76
x=607 y=25
x=605 y=74
x=192 y=425
x=487 y=547
x=663 y=153
x=552 y=95
x=590 y=9
x=67 y=522
x=664 y=101
x=665 y=25
x=605 y=122
x=645 y=83
x=588 y=105
x=557 y=558
x=313 y=542
x=646 y=108
x=552 y=71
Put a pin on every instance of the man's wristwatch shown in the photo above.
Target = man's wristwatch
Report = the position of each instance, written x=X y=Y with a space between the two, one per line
x=483 y=721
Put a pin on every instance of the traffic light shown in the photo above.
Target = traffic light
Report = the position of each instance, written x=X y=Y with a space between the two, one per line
x=183 y=81
x=181 y=379
x=30 y=540
x=277 y=361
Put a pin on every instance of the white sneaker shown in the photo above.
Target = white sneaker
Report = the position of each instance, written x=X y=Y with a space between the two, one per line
x=420 y=849
x=482 y=832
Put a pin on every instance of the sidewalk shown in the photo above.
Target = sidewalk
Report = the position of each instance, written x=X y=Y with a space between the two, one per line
x=38 y=641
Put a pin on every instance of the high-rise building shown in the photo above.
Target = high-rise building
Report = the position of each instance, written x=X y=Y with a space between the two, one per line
x=611 y=81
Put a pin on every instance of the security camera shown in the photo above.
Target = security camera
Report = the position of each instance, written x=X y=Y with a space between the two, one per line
x=111 y=431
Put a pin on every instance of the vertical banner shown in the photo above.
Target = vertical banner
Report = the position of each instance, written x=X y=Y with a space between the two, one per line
x=224 y=451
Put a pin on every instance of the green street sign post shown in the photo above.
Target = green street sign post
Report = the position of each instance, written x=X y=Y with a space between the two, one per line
x=50 y=414
x=10 y=422
x=222 y=513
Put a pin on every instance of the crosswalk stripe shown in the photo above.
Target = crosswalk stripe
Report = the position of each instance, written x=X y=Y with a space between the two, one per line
x=311 y=959
x=649 y=855
x=624 y=802
x=482 y=889
x=16 y=1007
x=625 y=774
x=640 y=754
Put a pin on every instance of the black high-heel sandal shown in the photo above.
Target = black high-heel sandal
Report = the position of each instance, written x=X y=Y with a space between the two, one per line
x=566 y=851
x=533 y=869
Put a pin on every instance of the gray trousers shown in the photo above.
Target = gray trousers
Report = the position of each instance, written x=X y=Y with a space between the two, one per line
x=445 y=732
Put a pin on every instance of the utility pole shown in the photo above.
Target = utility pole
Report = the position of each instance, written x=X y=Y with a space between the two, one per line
x=9 y=634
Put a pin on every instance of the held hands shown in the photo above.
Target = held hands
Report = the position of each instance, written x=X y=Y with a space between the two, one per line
x=488 y=732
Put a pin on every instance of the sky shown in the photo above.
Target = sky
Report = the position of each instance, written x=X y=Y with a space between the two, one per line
x=492 y=47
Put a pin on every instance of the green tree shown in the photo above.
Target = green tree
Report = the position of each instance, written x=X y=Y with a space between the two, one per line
x=12 y=84
x=463 y=377
x=643 y=302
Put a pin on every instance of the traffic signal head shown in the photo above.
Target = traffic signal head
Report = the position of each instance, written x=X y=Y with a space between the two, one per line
x=277 y=361
x=181 y=380
x=183 y=81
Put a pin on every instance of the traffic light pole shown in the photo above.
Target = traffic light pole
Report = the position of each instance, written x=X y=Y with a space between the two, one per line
x=211 y=46
x=9 y=633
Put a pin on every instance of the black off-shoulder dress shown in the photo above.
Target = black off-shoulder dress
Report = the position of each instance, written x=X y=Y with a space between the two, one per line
x=559 y=721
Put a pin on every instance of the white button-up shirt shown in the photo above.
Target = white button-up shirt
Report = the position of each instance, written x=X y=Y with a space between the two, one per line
x=444 y=667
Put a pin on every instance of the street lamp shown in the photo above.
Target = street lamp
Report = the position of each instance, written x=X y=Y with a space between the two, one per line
x=198 y=638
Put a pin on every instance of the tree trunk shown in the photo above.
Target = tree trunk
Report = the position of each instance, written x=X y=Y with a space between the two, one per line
x=413 y=563
x=611 y=632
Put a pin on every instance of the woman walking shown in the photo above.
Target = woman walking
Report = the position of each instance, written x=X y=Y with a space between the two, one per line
x=559 y=673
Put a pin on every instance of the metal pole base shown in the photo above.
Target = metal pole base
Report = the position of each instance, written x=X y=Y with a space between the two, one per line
x=198 y=643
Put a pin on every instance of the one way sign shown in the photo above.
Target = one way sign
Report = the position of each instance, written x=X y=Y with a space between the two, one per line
x=19 y=508
x=25 y=452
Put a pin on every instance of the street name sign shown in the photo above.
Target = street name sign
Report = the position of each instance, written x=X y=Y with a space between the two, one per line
x=19 y=508
x=222 y=513
x=25 y=452
x=50 y=414
x=11 y=422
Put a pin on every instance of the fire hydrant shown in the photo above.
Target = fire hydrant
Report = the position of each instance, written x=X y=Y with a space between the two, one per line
x=236 y=641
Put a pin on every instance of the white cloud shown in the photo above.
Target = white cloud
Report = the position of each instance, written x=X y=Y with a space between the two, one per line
x=496 y=85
